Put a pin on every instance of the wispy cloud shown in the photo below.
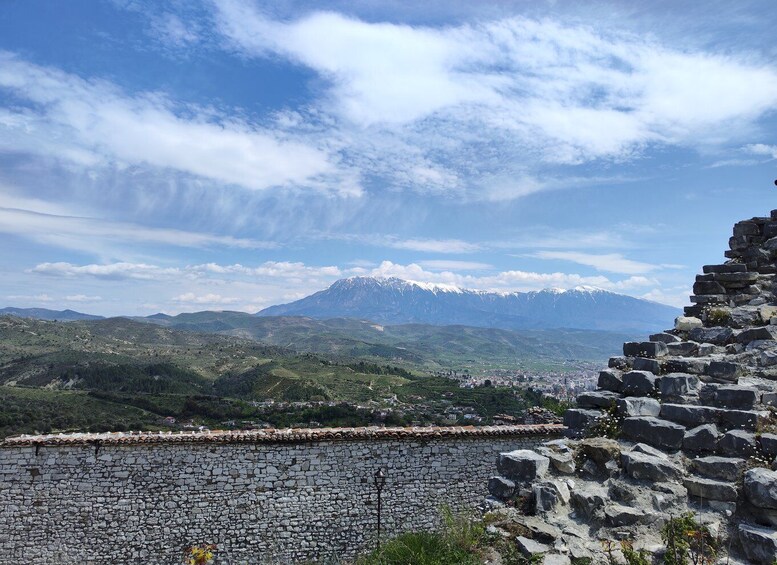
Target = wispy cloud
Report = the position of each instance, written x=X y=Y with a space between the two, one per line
x=608 y=262
x=450 y=265
x=77 y=119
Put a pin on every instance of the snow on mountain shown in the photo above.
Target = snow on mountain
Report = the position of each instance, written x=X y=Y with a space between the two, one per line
x=398 y=301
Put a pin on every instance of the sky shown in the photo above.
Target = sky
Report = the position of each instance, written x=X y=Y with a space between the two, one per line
x=230 y=155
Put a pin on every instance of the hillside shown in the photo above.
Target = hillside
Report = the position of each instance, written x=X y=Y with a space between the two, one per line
x=395 y=301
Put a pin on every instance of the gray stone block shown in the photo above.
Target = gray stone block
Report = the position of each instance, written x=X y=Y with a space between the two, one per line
x=645 y=364
x=578 y=420
x=649 y=349
x=610 y=379
x=725 y=268
x=743 y=419
x=702 y=438
x=667 y=338
x=639 y=383
x=716 y=335
x=710 y=489
x=768 y=443
x=760 y=488
x=619 y=362
x=588 y=501
x=724 y=371
x=638 y=406
x=644 y=467
x=724 y=468
x=758 y=543
x=682 y=348
x=597 y=399
x=737 y=443
x=522 y=465
x=501 y=487
x=738 y=397
x=617 y=515
x=549 y=494
x=529 y=547
x=678 y=384
x=686 y=365
x=690 y=415
x=656 y=432
x=753 y=334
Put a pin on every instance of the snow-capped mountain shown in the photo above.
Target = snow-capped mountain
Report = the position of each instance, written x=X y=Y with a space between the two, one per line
x=397 y=301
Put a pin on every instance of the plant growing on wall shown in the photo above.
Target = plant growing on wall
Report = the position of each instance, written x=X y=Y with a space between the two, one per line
x=199 y=554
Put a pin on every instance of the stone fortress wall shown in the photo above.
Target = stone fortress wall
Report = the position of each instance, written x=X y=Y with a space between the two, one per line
x=290 y=495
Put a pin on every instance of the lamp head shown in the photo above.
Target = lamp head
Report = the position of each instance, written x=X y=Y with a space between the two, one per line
x=380 y=478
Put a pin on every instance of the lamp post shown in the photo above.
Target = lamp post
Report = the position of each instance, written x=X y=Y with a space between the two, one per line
x=379 y=479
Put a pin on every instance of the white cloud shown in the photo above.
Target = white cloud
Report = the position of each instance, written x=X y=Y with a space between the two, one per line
x=538 y=90
x=78 y=120
x=609 y=262
x=82 y=298
x=762 y=149
x=211 y=299
x=442 y=264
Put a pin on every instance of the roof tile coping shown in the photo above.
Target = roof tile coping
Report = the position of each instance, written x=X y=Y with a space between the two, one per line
x=287 y=435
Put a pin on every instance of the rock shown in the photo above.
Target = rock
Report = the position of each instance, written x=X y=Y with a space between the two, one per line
x=724 y=371
x=682 y=348
x=767 y=358
x=737 y=443
x=733 y=396
x=561 y=462
x=522 y=465
x=686 y=365
x=718 y=335
x=706 y=349
x=701 y=438
x=744 y=419
x=610 y=379
x=638 y=406
x=639 y=383
x=753 y=334
x=588 y=501
x=555 y=559
x=710 y=489
x=687 y=323
x=550 y=494
x=621 y=491
x=758 y=543
x=725 y=268
x=600 y=450
x=768 y=443
x=769 y=398
x=578 y=420
x=760 y=488
x=648 y=450
x=654 y=431
x=665 y=337
x=644 y=467
x=724 y=468
x=536 y=529
x=597 y=399
x=644 y=364
x=649 y=349
x=678 y=384
x=529 y=547
x=501 y=487
x=617 y=515
x=690 y=415
x=619 y=362
x=767 y=312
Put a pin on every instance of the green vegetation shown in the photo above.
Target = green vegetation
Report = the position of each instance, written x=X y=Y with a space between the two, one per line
x=687 y=541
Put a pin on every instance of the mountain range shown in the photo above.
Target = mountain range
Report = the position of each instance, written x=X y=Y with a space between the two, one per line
x=397 y=301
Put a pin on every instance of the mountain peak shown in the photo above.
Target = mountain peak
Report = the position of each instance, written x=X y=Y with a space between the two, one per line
x=391 y=300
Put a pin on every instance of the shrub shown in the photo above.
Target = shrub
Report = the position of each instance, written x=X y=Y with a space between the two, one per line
x=687 y=541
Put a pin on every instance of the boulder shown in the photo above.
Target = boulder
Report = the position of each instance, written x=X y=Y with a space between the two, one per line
x=665 y=337
x=701 y=438
x=689 y=415
x=737 y=443
x=738 y=397
x=501 y=487
x=687 y=323
x=639 y=383
x=769 y=398
x=758 y=543
x=645 y=364
x=760 y=488
x=638 y=406
x=644 y=467
x=753 y=334
x=529 y=547
x=556 y=559
x=649 y=349
x=710 y=489
x=724 y=371
x=675 y=385
x=600 y=450
x=588 y=501
x=610 y=379
x=744 y=419
x=522 y=465
x=686 y=365
x=578 y=420
x=597 y=399
x=656 y=432
x=563 y=462
x=535 y=528
x=682 y=348
x=724 y=468
x=549 y=494
x=718 y=335
x=618 y=515
x=768 y=443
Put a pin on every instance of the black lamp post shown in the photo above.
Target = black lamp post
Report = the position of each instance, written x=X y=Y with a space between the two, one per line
x=380 y=481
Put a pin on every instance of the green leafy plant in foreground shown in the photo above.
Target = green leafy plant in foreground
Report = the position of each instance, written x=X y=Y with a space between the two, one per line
x=687 y=541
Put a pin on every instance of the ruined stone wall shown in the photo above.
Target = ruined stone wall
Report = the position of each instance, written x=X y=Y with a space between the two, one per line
x=294 y=495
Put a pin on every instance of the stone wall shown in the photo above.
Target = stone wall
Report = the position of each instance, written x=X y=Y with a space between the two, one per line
x=289 y=495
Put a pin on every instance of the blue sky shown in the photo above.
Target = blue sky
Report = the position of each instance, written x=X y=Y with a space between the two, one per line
x=180 y=156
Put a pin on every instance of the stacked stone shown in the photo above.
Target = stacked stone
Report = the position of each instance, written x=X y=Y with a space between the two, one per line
x=695 y=405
